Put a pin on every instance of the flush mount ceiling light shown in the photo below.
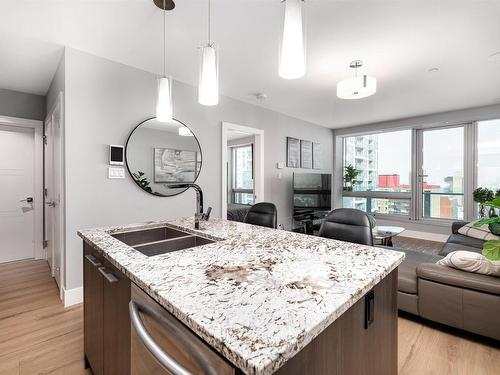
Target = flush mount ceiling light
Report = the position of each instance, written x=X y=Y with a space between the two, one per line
x=292 y=54
x=357 y=87
x=208 y=86
x=164 y=110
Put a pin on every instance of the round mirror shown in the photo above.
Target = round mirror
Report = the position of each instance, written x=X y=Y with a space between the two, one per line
x=160 y=155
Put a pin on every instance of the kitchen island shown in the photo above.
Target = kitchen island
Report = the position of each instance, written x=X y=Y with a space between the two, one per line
x=267 y=301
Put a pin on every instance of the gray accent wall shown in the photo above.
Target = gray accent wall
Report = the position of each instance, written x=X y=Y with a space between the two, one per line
x=23 y=105
x=104 y=100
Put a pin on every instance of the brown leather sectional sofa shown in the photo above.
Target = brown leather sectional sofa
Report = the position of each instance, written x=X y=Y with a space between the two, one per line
x=464 y=300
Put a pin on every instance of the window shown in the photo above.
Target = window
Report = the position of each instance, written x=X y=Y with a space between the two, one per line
x=383 y=161
x=446 y=160
x=488 y=154
x=442 y=176
x=242 y=177
x=376 y=206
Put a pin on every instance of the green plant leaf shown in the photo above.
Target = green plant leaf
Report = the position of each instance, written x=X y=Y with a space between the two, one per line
x=491 y=249
x=491 y=220
x=493 y=203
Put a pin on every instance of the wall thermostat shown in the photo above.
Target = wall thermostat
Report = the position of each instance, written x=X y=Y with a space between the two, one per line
x=116 y=154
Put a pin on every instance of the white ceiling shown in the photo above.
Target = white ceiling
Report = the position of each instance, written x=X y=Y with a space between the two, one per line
x=398 y=41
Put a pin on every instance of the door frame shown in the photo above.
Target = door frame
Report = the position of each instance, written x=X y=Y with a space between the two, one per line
x=38 y=200
x=258 y=154
x=59 y=106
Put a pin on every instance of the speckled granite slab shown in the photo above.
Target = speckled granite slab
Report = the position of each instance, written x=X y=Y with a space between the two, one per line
x=257 y=296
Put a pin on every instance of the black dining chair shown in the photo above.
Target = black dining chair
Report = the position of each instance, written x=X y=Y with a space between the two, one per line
x=264 y=214
x=348 y=224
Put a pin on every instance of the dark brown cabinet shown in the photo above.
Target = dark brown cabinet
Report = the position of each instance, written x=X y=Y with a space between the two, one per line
x=106 y=318
x=350 y=345
x=362 y=341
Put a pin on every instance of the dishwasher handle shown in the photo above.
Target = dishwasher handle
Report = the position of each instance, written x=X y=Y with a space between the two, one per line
x=165 y=359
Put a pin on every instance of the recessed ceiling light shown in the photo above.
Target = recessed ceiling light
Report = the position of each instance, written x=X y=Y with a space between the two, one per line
x=494 y=57
x=433 y=70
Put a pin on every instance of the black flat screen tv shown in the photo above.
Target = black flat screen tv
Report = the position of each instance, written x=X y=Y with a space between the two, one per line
x=312 y=191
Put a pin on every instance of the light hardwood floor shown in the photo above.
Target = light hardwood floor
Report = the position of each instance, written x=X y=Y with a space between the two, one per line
x=39 y=336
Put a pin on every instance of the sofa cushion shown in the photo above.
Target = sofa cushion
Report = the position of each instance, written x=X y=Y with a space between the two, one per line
x=407 y=271
x=461 y=279
x=481 y=232
x=469 y=261
x=467 y=241
x=449 y=247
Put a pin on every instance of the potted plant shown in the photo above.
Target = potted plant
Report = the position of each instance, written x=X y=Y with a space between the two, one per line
x=494 y=221
x=481 y=196
x=350 y=174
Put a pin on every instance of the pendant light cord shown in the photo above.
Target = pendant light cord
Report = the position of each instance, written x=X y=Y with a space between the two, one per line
x=164 y=41
x=209 y=22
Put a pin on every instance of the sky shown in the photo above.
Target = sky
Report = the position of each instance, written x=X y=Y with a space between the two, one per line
x=394 y=154
x=489 y=154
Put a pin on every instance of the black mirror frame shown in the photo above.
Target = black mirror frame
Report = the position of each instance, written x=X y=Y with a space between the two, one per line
x=130 y=172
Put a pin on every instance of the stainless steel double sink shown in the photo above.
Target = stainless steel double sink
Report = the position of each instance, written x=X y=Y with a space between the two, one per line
x=161 y=240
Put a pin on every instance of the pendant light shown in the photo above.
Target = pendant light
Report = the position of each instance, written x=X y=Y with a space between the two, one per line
x=208 y=86
x=357 y=87
x=164 y=110
x=292 y=54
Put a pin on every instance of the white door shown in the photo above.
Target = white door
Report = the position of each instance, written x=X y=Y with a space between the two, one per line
x=53 y=195
x=16 y=193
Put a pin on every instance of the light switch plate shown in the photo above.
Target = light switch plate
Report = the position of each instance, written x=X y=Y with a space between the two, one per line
x=116 y=172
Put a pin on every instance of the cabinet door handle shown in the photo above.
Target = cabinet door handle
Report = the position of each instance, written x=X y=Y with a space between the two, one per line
x=92 y=260
x=369 y=308
x=108 y=275
x=165 y=359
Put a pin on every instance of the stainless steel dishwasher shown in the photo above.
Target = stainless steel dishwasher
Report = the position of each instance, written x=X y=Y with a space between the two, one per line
x=161 y=344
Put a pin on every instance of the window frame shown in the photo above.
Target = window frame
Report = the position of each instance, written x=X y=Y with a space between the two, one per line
x=415 y=197
x=234 y=163
x=370 y=194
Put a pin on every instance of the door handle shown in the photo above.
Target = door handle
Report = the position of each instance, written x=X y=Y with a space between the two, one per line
x=165 y=359
x=27 y=200
x=92 y=260
x=108 y=275
x=50 y=203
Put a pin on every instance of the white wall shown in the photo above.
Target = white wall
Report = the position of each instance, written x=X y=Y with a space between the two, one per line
x=105 y=100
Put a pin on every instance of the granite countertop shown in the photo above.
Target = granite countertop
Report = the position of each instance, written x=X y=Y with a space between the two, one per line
x=258 y=295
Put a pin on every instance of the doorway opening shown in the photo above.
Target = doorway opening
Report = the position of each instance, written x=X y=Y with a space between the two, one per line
x=21 y=189
x=243 y=169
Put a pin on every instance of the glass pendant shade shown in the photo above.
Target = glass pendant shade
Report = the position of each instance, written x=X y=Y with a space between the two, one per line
x=292 y=54
x=185 y=132
x=357 y=87
x=208 y=88
x=164 y=111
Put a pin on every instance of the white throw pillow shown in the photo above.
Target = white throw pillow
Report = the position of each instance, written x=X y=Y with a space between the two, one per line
x=482 y=232
x=471 y=262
